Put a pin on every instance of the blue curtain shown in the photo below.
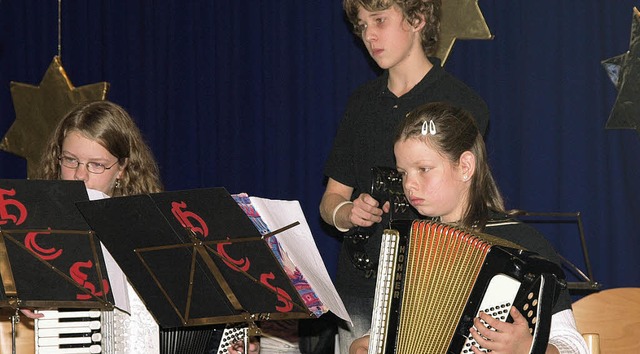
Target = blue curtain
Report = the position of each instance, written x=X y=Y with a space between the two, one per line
x=248 y=94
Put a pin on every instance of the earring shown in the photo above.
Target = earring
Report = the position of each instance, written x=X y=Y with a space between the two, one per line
x=465 y=177
x=118 y=183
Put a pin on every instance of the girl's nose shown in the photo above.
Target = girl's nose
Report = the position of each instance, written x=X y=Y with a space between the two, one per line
x=81 y=174
x=408 y=183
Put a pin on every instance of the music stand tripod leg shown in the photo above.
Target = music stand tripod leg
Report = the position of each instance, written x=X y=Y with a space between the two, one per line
x=15 y=318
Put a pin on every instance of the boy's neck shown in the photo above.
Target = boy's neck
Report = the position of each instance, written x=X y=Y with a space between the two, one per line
x=403 y=78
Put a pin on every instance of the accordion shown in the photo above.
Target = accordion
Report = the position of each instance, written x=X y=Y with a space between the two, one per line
x=433 y=279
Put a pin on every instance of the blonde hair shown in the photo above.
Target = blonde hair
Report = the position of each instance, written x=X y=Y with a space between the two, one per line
x=111 y=126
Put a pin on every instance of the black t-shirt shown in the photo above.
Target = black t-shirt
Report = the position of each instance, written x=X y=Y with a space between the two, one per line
x=365 y=140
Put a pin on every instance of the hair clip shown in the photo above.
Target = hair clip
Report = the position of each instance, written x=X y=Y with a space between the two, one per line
x=429 y=127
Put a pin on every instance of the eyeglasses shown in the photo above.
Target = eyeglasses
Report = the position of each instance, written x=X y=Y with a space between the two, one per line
x=93 y=167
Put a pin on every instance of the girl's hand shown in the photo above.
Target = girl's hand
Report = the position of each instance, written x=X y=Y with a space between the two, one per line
x=360 y=346
x=238 y=347
x=505 y=337
x=31 y=314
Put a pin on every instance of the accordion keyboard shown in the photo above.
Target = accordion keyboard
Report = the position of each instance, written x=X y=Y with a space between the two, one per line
x=94 y=331
x=384 y=291
x=76 y=331
x=497 y=302
x=231 y=335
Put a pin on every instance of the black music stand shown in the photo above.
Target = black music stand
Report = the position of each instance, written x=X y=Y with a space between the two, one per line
x=586 y=282
x=48 y=256
x=195 y=258
x=46 y=248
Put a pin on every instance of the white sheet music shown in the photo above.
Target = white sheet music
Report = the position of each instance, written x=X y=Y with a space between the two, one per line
x=300 y=248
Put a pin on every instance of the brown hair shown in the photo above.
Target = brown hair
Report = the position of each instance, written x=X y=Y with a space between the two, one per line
x=455 y=133
x=413 y=11
x=111 y=126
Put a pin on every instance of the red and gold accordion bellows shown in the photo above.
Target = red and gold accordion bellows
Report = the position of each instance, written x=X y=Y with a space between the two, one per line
x=433 y=279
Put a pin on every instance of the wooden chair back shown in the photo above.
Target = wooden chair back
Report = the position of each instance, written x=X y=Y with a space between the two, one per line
x=610 y=319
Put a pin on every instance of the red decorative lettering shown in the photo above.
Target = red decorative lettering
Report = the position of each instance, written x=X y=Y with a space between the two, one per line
x=242 y=264
x=81 y=278
x=283 y=297
x=185 y=217
x=44 y=253
x=5 y=214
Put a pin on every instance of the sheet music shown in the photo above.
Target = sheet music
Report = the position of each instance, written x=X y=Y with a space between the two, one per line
x=300 y=247
x=117 y=280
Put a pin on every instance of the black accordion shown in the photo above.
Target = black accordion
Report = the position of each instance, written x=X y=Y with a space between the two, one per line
x=433 y=279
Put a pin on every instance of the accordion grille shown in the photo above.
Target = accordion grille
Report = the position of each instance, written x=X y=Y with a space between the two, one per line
x=442 y=264
x=186 y=339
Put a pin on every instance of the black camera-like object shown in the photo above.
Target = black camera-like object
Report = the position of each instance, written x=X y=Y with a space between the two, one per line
x=386 y=186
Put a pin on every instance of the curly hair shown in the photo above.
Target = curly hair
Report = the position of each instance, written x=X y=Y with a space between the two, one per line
x=456 y=132
x=413 y=10
x=111 y=126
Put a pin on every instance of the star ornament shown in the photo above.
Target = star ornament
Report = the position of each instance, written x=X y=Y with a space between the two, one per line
x=624 y=72
x=461 y=19
x=40 y=108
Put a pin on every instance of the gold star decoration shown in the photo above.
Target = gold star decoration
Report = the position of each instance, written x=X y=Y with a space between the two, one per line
x=40 y=108
x=461 y=19
x=624 y=72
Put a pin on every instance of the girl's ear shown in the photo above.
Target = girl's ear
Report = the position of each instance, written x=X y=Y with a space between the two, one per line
x=467 y=165
x=123 y=167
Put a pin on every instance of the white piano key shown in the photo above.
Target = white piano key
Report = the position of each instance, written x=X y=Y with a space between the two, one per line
x=96 y=337
x=94 y=349
x=51 y=314
x=53 y=341
x=55 y=332
x=43 y=323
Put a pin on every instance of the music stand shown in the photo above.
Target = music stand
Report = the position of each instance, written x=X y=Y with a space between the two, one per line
x=195 y=258
x=48 y=256
x=587 y=282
